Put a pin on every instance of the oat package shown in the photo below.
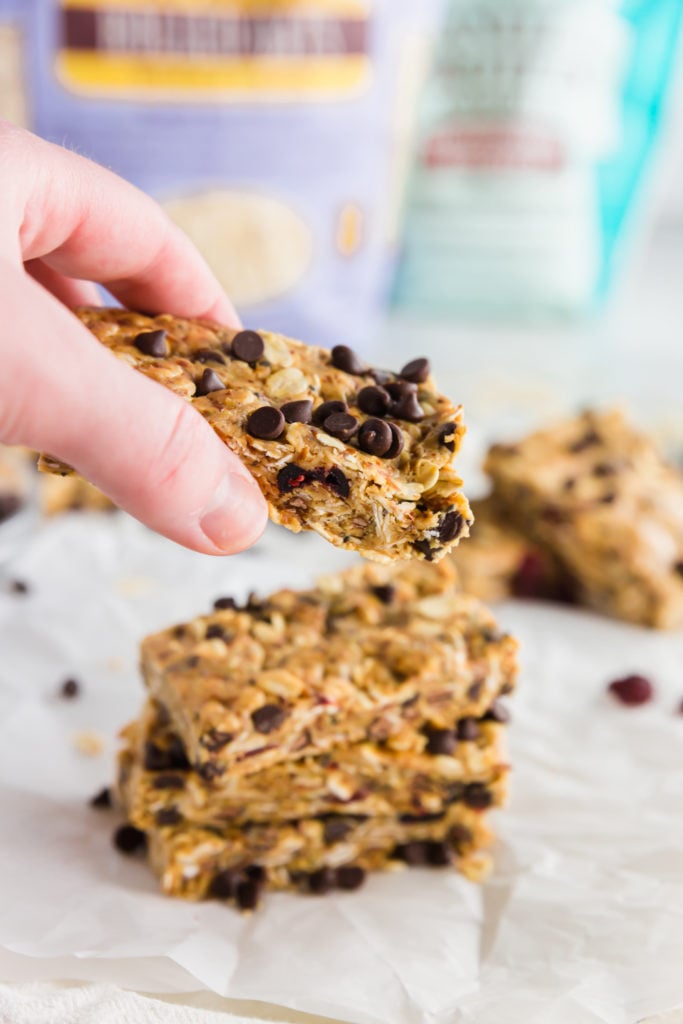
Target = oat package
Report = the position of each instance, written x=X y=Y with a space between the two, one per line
x=271 y=130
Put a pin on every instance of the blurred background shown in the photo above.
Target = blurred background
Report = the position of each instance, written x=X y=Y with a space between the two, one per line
x=496 y=185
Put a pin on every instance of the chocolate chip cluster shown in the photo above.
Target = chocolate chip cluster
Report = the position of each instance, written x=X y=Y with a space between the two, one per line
x=389 y=396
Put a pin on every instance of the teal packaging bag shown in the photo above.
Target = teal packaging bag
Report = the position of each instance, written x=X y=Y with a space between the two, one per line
x=536 y=135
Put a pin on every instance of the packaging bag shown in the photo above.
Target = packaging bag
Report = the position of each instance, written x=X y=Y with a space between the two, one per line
x=269 y=129
x=536 y=134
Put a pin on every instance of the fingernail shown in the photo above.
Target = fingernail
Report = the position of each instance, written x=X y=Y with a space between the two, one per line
x=234 y=518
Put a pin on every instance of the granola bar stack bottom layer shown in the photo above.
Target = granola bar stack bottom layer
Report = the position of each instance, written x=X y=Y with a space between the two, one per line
x=307 y=738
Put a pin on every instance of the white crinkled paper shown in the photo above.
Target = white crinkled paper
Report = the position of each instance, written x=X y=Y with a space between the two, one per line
x=581 y=923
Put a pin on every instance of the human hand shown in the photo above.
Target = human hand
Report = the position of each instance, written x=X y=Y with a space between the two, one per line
x=65 y=223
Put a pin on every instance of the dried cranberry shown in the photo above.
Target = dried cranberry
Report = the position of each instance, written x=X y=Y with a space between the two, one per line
x=632 y=690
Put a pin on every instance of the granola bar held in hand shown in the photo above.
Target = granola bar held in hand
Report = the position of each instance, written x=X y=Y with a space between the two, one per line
x=361 y=456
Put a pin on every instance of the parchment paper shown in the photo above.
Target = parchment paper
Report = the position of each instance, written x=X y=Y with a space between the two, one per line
x=582 y=921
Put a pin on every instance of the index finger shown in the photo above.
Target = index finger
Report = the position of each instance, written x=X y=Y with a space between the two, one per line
x=85 y=222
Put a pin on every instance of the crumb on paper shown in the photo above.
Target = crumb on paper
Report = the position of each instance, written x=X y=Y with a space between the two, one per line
x=114 y=664
x=88 y=742
x=134 y=586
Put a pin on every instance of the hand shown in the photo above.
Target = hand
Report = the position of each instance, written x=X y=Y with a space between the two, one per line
x=65 y=223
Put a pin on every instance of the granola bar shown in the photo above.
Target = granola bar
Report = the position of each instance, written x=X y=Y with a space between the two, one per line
x=498 y=562
x=313 y=854
x=155 y=779
x=361 y=456
x=375 y=654
x=597 y=495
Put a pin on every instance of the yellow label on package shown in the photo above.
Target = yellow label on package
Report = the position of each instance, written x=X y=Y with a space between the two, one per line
x=191 y=48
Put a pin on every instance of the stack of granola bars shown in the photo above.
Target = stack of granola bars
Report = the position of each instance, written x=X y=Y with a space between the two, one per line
x=305 y=739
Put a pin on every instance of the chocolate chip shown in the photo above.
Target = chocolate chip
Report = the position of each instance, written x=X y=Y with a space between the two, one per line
x=192 y=661
x=223 y=885
x=155 y=759
x=380 y=377
x=459 y=837
x=455 y=792
x=328 y=409
x=416 y=370
x=291 y=476
x=176 y=756
x=447 y=436
x=129 y=839
x=440 y=741
x=215 y=740
x=341 y=424
x=344 y=358
x=376 y=438
x=439 y=854
x=321 y=881
x=336 y=828
x=425 y=548
x=257 y=873
x=224 y=603
x=210 y=381
x=10 y=504
x=385 y=593
x=19 y=587
x=397 y=445
x=69 y=689
x=210 y=771
x=168 y=816
x=413 y=853
x=477 y=796
x=590 y=438
x=208 y=355
x=450 y=526
x=678 y=568
x=497 y=713
x=632 y=690
x=247 y=346
x=337 y=481
x=375 y=401
x=350 y=877
x=608 y=498
x=408 y=408
x=468 y=730
x=152 y=343
x=474 y=691
x=299 y=411
x=266 y=423
x=169 y=781
x=215 y=632
x=268 y=718
x=101 y=799
x=604 y=469
x=421 y=819
x=247 y=894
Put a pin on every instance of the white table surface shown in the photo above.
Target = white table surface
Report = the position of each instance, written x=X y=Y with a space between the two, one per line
x=508 y=379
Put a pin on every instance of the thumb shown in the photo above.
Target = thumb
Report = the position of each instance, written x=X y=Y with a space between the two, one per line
x=147 y=449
